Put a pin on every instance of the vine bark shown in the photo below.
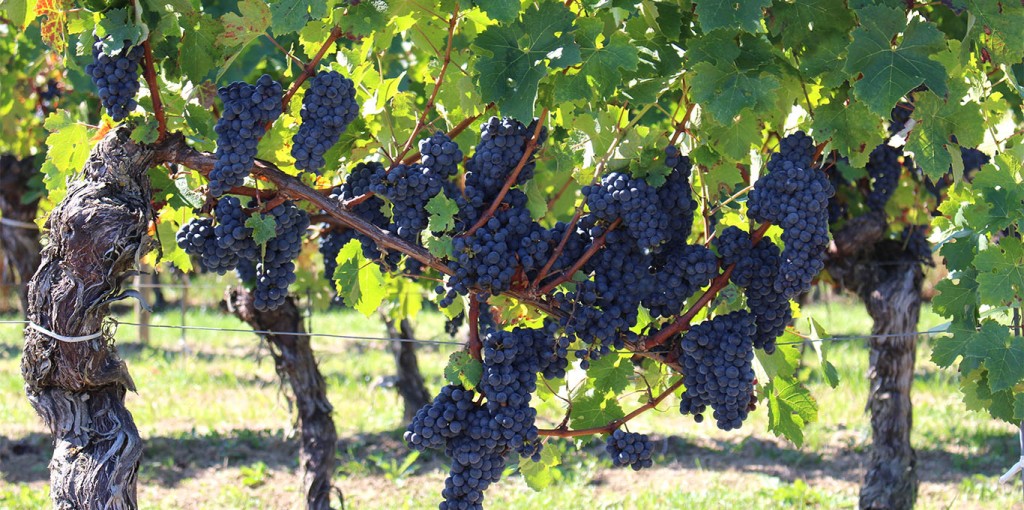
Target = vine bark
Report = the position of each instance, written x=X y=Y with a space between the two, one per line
x=96 y=235
x=296 y=364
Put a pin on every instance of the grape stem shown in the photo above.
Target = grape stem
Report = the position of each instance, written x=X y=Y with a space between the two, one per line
x=531 y=144
x=422 y=120
x=594 y=246
x=561 y=431
x=475 y=346
x=287 y=53
x=149 y=71
x=558 y=249
x=683 y=322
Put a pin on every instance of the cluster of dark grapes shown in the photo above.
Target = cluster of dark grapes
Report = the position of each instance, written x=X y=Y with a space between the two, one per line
x=440 y=154
x=502 y=144
x=795 y=195
x=973 y=160
x=198 y=239
x=478 y=437
x=247 y=111
x=916 y=244
x=634 y=201
x=116 y=77
x=838 y=209
x=717 y=370
x=276 y=270
x=408 y=188
x=675 y=198
x=885 y=164
x=900 y=115
x=684 y=272
x=328 y=107
x=756 y=269
x=630 y=449
x=231 y=232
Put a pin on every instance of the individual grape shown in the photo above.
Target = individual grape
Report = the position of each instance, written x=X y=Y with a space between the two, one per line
x=634 y=201
x=198 y=239
x=717 y=370
x=794 y=195
x=885 y=164
x=630 y=449
x=328 y=107
x=440 y=154
x=116 y=77
x=247 y=111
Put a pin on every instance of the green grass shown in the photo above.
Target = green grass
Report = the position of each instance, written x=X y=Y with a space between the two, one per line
x=220 y=432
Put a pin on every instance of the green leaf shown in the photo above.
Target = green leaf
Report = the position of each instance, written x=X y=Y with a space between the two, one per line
x=737 y=14
x=1001 y=271
x=263 y=226
x=504 y=11
x=957 y=298
x=726 y=89
x=146 y=132
x=291 y=15
x=198 y=43
x=1002 y=353
x=790 y=409
x=784 y=361
x=847 y=123
x=358 y=280
x=539 y=475
x=372 y=289
x=463 y=370
x=828 y=370
x=364 y=18
x=21 y=12
x=888 y=73
x=68 y=143
x=442 y=213
x=1003 y=18
x=938 y=120
x=599 y=74
x=595 y=410
x=117 y=26
x=947 y=349
x=240 y=29
x=517 y=56
x=611 y=373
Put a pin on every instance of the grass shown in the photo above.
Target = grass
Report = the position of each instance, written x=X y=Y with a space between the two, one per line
x=220 y=434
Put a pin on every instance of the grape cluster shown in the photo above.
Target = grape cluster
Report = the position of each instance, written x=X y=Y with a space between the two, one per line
x=636 y=202
x=675 y=197
x=630 y=449
x=328 y=107
x=973 y=159
x=756 y=269
x=885 y=164
x=231 y=232
x=440 y=154
x=330 y=245
x=502 y=144
x=276 y=270
x=915 y=243
x=683 y=272
x=795 y=195
x=717 y=370
x=408 y=188
x=247 y=111
x=116 y=78
x=198 y=238
x=900 y=115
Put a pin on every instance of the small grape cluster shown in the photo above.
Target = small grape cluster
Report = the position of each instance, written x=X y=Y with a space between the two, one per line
x=899 y=116
x=885 y=164
x=116 y=77
x=635 y=202
x=276 y=271
x=502 y=144
x=198 y=238
x=440 y=154
x=756 y=269
x=717 y=370
x=973 y=159
x=231 y=232
x=328 y=107
x=408 y=188
x=675 y=198
x=795 y=196
x=915 y=243
x=682 y=273
x=630 y=449
x=247 y=111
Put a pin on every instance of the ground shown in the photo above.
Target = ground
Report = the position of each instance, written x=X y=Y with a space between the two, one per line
x=219 y=432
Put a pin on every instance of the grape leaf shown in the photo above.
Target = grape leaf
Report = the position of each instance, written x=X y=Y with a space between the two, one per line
x=790 y=408
x=167 y=226
x=594 y=410
x=198 y=55
x=463 y=370
x=1002 y=353
x=115 y=27
x=828 y=370
x=734 y=139
x=938 y=120
x=785 y=359
x=358 y=280
x=888 y=73
x=539 y=475
x=514 y=56
x=263 y=226
x=291 y=15
x=947 y=349
x=504 y=11
x=362 y=19
x=726 y=89
x=610 y=373
x=1003 y=18
x=21 y=12
x=1001 y=274
x=599 y=74
x=848 y=123
x=737 y=14
x=442 y=213
x=68 y=144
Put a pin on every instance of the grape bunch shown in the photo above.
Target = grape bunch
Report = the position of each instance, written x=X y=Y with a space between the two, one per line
x=116 y=77
x=440 y=154
x=973 y=160
x=900 y=115
x=247 y=111
x=328 y=107
x=885 y=164
x=231 y=232
x=915 y=243
x=408 y=188
x=198 y=238
x=502 y=145
x=276 y=271
x=795 y=196
x=634 y=201
x=683 y=272
x=717 y=371
x=675 y=198
x=756 y=269
x=630 y=449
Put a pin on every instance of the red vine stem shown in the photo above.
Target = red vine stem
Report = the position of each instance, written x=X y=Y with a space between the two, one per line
x=310 y=68
x=561 y=191
x=154 y=91
x=683 y=322
x=422 y=120
x=558 y=249
x=287 y=53
x=475 y=346
x=594 y=247
x=614 y=424
x=511 y=180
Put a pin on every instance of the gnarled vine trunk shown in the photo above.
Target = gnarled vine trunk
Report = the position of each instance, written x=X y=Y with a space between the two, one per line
x=409 y=381
x=296 y=364
x=96 y=235
x=19 y=239
x=888 y=280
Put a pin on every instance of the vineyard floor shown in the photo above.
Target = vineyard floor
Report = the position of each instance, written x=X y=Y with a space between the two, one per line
x=219 y=432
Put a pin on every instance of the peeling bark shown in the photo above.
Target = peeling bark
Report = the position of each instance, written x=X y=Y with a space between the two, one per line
x=96 y=235
x=888 y=280
x=296 y=364
x=409 y=381
x=19 y=246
